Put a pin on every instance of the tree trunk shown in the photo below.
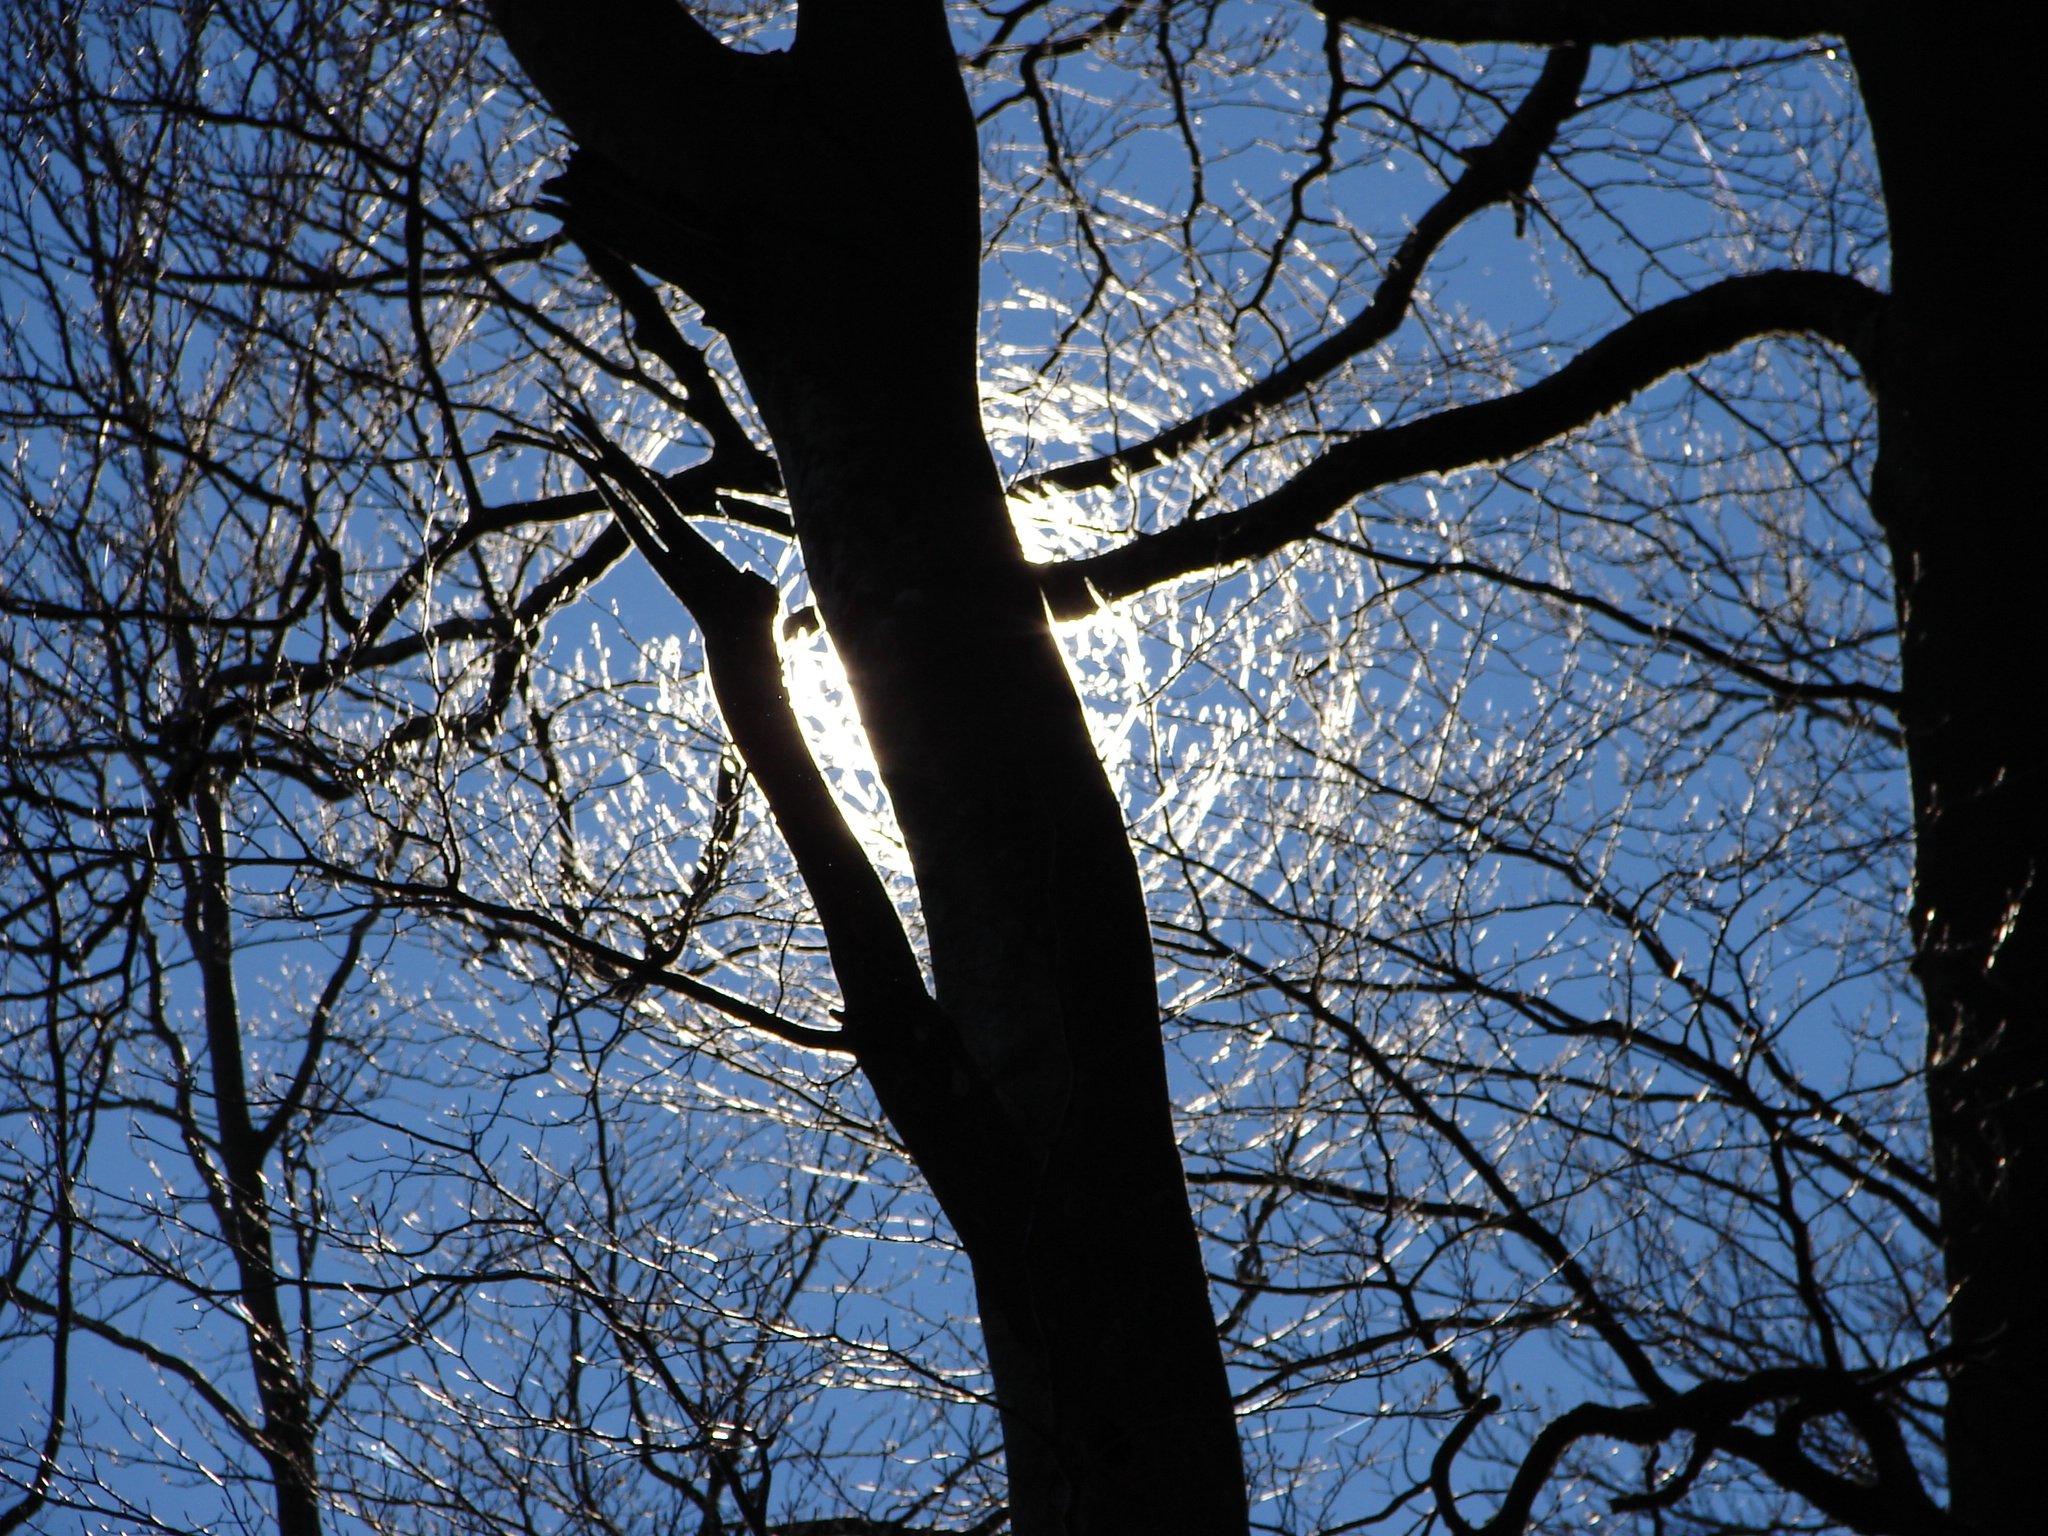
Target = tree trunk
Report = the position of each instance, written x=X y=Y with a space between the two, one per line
x=840 y=254
x=237 y=1189
x=1955 y=496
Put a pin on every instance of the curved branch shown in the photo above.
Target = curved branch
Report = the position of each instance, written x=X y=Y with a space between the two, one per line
x=1711 y=1413
x=1675 y=335
x=1497 y=172
x=1539 y=22
x=628 y=972
x=317 y=1024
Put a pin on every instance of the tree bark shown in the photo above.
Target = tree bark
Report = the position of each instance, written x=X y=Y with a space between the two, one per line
x=1953 y=490
x=839 y=253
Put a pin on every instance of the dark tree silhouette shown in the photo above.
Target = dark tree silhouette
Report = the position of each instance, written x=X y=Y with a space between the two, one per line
x=1943 y=491
x=482 y=1078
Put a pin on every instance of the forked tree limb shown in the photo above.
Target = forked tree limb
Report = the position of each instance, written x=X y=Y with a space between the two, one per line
x=1678 y=334
x=1497 y=172
x=904 y=1040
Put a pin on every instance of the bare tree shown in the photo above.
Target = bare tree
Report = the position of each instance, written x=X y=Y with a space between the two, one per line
x=1376 y=534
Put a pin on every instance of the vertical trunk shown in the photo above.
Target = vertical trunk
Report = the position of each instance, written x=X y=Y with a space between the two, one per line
x=1094 y=1304
x=1955 y=496
x=841 y=258
x=240 y=1200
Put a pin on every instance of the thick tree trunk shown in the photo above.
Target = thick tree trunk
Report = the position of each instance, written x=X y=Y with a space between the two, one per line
x=1957 y=496
x=831 y=229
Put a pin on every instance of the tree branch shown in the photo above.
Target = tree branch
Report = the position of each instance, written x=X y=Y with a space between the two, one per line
x=1776 y=684
x=909 y=1047
x=1551 y=22
x=1678 y=334
x=1711 y=1413
x=1497 y=172
x=735 y=611
x=747 y=466
x=629 y=77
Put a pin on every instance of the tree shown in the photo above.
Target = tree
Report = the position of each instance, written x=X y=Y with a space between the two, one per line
x=1978 y=829
x=1481 y=726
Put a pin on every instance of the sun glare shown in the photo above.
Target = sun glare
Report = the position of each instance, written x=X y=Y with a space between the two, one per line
x=822 y=699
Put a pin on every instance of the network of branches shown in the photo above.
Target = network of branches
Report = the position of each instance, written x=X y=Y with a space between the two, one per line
x=419 y=1073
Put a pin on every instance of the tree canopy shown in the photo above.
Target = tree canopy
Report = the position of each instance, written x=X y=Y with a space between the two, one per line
x=823 y=768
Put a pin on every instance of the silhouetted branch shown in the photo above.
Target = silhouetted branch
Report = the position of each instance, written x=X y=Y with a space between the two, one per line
x=1677 y=334
x=1496 y=172
x=1611 y=22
